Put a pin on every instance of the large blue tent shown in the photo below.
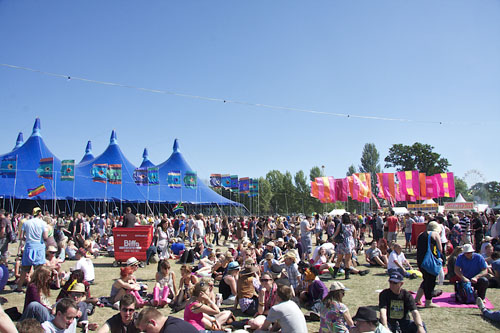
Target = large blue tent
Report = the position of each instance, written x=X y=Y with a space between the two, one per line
x=22 y=171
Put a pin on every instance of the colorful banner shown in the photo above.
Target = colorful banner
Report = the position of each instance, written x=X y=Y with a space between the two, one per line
x=386 y=186
x=68 y=170
x=114 y=174
x=215 y=180
x=8 y=167
x=36 y=191
x=178 y=208
x=254 y=187
x=244 y=185
x=99 y=173
x=141 y=176
x=409 y=183
x=341 y=189
x=190 y=179
x=446 y=184
x=423 y=207
x=174 y=179
x=153 y=177
x=365 y=187
x=448 y=206
x=226 y=181
x=431 y=187
x=234 y=183
x=46 y=168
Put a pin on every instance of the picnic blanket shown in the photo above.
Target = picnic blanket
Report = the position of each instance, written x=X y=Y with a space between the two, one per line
x=447 y=300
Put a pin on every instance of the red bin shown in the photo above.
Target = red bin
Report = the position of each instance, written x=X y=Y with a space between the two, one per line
x=416 y=230
x=132 y=242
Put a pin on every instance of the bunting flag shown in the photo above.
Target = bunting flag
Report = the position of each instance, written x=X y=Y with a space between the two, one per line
x=36 y=191
x=174 y=179
x=178 y=208
x=431 y=187
x=365 y=186
x=45 y=168
x=141 y=176
x=244 y=185
x=153 y=178
x=446 y=184
x=399 y=195
x=353 y=192
x=423 y=186
x=234 y=183
x=215 y=180
x=376 y=201
x=99 y=173
x=114 y=174
x=326 y=189
x=409 y=183
x=314 y=190
x=226 y=181
x=341 y=189
x=68 y=170
x=386 y=186
x=254 y=187
x=190 y=179
x=8 y=167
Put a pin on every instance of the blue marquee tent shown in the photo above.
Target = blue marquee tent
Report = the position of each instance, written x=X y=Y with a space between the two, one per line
x=88 y=153
x=146 y=163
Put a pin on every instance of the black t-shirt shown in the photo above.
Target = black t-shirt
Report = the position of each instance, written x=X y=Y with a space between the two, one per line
x=398 y=306
x=117 y=326
x=477 y=225
x=129 y=221
x=176 y=325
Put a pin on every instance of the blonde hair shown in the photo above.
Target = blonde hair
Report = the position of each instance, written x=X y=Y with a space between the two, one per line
x=198 y=288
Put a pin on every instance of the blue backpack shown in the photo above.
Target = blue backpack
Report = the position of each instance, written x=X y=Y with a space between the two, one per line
x=464 y=293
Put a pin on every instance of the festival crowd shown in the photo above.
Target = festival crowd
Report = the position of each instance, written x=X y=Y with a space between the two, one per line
x=267 y=267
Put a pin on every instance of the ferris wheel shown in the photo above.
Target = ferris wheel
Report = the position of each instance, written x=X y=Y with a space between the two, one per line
x=473 y=176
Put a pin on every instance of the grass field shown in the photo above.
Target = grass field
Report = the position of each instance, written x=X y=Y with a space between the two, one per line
x=363 y=292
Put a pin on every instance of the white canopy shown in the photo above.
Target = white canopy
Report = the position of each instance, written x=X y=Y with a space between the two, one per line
x=429 y=201
x=460 y=198
x=337 y=212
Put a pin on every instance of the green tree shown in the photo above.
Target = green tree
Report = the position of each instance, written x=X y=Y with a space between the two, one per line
x=461 y=187
x=314 y=173
x=419 y=157
x=304 y=200
x=265 y=195
x=351 y=170
x=370 y=163
x=488 y=193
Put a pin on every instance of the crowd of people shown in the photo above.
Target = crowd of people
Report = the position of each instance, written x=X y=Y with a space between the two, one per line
x=267 y=267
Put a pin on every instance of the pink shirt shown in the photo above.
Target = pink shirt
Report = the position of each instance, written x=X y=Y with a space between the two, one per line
x=194 y=319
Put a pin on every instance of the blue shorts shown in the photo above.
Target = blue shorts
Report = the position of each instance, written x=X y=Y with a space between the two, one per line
x=408 y=236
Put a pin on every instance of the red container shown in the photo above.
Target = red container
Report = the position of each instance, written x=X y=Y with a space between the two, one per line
x=132 y=242
x=416 y=230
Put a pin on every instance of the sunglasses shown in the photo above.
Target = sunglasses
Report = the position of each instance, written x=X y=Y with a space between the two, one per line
x=264 y=280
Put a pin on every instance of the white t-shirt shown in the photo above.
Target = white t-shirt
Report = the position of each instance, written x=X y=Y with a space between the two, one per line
x=49 y=327
x=33 y=229
x=289 y=316
x=329 y=248
x=394 y=256
x=86 y=265
x=199 y=228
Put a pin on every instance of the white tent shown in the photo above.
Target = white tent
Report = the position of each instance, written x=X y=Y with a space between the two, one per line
x=400 y=210
x=337 y=212
x=428 y=201
x=460 y=198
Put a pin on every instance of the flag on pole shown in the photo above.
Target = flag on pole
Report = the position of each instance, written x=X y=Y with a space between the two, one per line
x=409 y=183
x=215 y=180
x=446 y=184
x=8 y=167
x=45 y=168
x=114 y=174
x=376 y=201
x=423 y=186
x=326 y=189
x=141 y=176
x=254 y=187
x=174 y=179
x=68 y=170
x=365 y=186
x=190 y=179
x=153 y=178
x=234 y=183
x=431 y=187
x=386 y=186
x=226 y=181
x=99 y=173
x=244 y=185
x=341 y=189
x=178 y=208
x=36 y=191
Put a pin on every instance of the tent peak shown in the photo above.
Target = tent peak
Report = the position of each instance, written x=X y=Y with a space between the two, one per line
x=19 y=141
x=88 y=149
x=176 y=146
x=36 y=127
x=145 y=154
x=113 y=140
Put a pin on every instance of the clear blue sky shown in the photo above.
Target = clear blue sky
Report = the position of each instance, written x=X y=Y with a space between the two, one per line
x=419 y=60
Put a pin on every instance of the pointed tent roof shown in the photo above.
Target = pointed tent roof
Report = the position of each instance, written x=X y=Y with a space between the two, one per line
x=460 y=198
x=202 y=194
x=88 y=153
x=28 y=158
x=146 y=163
x=87 y=189
x=19 y=141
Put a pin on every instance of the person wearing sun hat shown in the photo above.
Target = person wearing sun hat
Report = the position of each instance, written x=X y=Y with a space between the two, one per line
x=395 y=304
x=366 y=320
x=471 y=267
x=334 y=315
x=291 y=269
x=228 y=284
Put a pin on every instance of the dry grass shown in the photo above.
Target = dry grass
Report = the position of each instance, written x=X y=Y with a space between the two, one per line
x=362 y=293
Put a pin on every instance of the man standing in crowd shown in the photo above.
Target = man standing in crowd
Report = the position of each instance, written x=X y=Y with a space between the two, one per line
x=472 y=267
x=129 y=218
x=395 y=304
x=35 y=232
x=306 y=228
x=465 y=225
x=5 y=229
x=393 y=226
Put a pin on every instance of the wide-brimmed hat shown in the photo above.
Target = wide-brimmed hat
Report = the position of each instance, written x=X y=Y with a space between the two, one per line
x=290 y=255
x=337 y=286
x=51 y=248
x=276 y=269
x=132 y=261
x=467 y=248
x=249 y=261
x=270 y=244
x=269 y=255
x=77 y=288
x=233 y=265
x=230 y=246
x=364 y=313
x=36 y=210
x=249 y=270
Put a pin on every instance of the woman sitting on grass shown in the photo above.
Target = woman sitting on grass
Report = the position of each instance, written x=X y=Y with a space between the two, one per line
x=165 y=284
x=36 y=303
x=188 y=279
x=202 y=312
x=125 y=285
x=334 y=315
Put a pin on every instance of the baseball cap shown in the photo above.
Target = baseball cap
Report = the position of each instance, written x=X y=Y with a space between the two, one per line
x=36 y=211
x=396 y=277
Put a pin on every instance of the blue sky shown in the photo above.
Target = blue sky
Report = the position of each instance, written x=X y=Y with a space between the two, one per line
x=425 y=61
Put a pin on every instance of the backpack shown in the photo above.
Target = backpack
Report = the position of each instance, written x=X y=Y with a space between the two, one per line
x=340 y=236
x=464 y=293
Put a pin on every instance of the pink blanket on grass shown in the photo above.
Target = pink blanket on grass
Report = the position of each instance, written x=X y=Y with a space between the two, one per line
x=447 y=300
